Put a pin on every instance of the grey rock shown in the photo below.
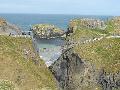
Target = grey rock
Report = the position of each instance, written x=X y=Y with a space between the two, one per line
x=74 y=73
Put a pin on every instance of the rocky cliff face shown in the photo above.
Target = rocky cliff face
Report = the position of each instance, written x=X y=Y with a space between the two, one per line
x=86 y=66
x=7 y=28
x=109 y=81
x=73 y=73
x=63 y=69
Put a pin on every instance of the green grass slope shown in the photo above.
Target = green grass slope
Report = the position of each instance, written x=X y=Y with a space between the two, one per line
x=103 y=54
x=21 y=68
x=85 y=33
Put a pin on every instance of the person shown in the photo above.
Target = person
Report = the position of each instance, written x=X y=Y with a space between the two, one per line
x=29 y=33
x=10 y=34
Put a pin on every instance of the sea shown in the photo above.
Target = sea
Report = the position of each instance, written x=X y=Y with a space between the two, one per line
x=25 y=21
x=49 y=50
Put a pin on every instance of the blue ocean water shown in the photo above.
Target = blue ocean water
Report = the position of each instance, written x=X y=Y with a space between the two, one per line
x=25 y=21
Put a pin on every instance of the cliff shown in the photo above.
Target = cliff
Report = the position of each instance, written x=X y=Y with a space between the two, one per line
x=7 y=28
x=75 y=73
x=91 y=64
x=47 y=31
x=21 y=68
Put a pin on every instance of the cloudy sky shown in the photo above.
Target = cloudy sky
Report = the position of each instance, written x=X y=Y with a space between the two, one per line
x=82 y=7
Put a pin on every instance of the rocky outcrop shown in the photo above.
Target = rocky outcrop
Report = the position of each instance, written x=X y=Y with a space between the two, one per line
x=46 y=31
x=109 y=81
x=63 y=69
x=87 y=23
x=74 y=73
x=2 y=22
x=7 y=28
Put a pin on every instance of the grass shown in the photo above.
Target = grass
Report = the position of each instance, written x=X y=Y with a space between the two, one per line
x=85 y=34
x=26 y=72
x=81 y=33
x=112 y=25
x=6 y=85
x=110 y=29
x=103 y=54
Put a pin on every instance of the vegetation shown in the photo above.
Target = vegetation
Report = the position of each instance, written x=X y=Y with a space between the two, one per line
x=103 y=54
x=115 y=24
x=20 y=65
x=85 y=34
x=112 y=26
x=6 y=85
x=46 y=30
x=2 y=22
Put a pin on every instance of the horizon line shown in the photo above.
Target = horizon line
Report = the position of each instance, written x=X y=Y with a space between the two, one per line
x=61 y=14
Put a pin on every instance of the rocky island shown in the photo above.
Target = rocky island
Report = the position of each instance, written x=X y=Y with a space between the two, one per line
x=46 y=31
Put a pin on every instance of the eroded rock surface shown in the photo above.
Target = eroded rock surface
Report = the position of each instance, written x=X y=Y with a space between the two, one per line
x=7 y=28
x=73 y=73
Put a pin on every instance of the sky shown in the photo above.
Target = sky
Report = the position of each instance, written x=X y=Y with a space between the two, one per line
x=81 y=7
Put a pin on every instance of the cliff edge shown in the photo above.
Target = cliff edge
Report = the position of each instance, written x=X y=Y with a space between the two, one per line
x=91 y=61
x=21 y=68
x=7 y=28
